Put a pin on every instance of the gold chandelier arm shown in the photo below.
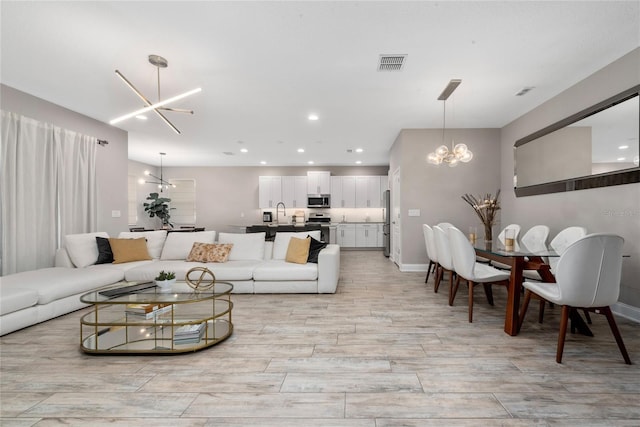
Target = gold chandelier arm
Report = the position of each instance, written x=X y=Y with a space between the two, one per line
x=146 y=101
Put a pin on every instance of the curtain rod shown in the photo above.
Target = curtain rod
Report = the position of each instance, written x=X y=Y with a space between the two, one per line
x=102 y=142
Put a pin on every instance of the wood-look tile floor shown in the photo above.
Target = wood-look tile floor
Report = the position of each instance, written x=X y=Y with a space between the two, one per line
x=385 y=350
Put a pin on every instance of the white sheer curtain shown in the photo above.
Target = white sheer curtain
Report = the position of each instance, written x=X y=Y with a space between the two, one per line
x=47 y=187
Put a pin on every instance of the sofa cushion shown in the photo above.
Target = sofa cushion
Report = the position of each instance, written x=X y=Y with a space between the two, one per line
x=231 y=270
x=281 y=242
x=155 y=240
x=128 y=250
x=298 y=250
x=248 y=246
x=179 y=244
x=105 y=255
x=210 y=252
x=282 y=270
x=15 y=297
x=82 y=248
x=55 y=283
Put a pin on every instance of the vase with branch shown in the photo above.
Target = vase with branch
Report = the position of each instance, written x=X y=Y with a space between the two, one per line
x=486 y=207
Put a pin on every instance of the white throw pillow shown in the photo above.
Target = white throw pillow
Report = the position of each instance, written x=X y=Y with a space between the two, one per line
x=155 y=240
x=281 y=242
x=82 y=248
x=179 y=244
x=245 y=246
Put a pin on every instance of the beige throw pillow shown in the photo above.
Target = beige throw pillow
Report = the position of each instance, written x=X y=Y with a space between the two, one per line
x=209 y=252
x=129 y=250
x=298 y=250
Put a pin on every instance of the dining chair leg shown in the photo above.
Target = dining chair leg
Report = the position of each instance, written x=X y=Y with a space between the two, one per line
x=525 y=305
x=471 y=284
x=616 y=333
x=541 y=311
x=454 y=291
x=428 y=271
x=488 y=291
x=439 y=274
x=564 y=320
x=587 y=316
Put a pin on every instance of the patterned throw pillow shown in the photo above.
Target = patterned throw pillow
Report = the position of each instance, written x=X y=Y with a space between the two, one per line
x=209 y=252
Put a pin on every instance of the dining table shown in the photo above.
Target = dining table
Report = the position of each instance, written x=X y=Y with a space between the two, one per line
x=519 y=258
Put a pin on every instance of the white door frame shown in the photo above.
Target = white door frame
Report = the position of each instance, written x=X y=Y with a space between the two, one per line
x=396 y=226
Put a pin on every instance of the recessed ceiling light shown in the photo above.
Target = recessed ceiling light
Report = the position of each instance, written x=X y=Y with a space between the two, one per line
x=313 y=117
x=310 y=162
x=359 y=150
x=623 y=147
x=263 y=162
x=244 y=150
x=141 y=117
x=620 y=159
x=358 y=162
x=300 y=150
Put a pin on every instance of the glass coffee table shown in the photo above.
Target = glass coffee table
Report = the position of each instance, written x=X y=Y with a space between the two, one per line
x=150 y=321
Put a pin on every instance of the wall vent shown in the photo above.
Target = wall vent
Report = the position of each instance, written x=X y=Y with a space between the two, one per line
x=391 y=62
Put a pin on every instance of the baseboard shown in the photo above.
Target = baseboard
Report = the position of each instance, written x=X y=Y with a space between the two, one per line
x=627 y=311
x=406 y=268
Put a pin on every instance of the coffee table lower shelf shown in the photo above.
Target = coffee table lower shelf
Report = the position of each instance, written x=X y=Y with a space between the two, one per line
x=152 y=339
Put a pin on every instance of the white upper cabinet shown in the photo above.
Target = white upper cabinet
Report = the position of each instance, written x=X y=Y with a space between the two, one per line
x=368 y=193
x=318 y=182
x=343 y=191
x=294 y=191
x=269 y=191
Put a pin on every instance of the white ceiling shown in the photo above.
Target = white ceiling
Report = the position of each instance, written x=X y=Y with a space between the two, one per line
x=264 y=66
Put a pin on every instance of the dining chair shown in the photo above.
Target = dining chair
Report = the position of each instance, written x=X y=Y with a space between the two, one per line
x=445 y=225
x=587 y=277
x=431 y=251
x=445 y=264
x=474 y=273
x=501 y=237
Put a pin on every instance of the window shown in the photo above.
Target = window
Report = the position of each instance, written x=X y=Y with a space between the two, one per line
x=132 y=200
x=183 y=201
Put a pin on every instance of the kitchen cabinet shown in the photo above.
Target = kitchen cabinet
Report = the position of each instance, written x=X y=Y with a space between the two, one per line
x=368 y=194
x=346 y=235
x=269 y=191
x=343 y=191
x=318 y=182
x=367 y=235
x=294 y=191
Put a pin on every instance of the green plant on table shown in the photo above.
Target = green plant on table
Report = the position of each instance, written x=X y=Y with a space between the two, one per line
x=169 y=275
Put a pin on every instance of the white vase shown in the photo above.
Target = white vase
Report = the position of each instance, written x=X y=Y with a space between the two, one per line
x=165 y=285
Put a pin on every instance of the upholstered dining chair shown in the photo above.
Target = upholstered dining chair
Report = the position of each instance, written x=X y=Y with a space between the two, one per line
x=445 y=225
x=466 y=268
x=432 y=254
x=501 y=238
x=445 y=264
x=587 y=277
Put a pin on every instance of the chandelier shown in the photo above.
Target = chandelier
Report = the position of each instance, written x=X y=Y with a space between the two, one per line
x=458 y=152
x=161 y=183
x=158 y=62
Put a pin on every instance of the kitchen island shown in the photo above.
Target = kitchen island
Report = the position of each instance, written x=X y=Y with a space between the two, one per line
x=272 y=228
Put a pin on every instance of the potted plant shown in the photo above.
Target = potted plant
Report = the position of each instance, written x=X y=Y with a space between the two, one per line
x=165 y=280
x=158 y=206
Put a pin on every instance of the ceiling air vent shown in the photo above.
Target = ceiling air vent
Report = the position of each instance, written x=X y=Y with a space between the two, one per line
x=525 y=90
x=391 y=62
x=228 y=153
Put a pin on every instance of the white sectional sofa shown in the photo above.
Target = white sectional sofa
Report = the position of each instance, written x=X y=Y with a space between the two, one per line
x=253 y=266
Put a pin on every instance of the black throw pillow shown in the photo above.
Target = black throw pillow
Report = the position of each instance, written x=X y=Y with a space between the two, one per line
x=105 y=256
x=314 y=249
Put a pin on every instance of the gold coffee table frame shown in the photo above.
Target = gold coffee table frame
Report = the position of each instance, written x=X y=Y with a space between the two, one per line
x=110 y=329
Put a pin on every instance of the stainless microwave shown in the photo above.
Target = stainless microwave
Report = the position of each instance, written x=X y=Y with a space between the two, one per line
x=318 y=201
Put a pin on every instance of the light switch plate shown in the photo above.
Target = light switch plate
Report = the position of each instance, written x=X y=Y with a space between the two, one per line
x=115 y=214
x=414 y=212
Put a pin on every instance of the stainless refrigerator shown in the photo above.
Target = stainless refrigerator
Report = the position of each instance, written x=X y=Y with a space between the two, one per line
x=386 y=228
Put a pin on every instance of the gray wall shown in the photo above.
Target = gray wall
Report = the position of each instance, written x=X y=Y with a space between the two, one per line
x=437 y=190
x=227 y=197
x=111 y=160
x=609 y=209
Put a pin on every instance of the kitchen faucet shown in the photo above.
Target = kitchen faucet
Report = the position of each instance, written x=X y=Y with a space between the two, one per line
x=284 y=211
